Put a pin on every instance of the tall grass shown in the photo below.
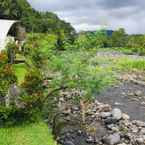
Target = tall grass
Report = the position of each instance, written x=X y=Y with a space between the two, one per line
x=126 y=64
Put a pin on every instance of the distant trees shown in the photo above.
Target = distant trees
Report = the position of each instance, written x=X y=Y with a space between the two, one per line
x=119 y=38
x=89 y=40
x=137 y=43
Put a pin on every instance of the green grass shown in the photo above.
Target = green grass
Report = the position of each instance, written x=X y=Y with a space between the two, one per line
x=20 y=57
x=20 y=71
x=123 y=50
x=127 y=64
x=32 y=134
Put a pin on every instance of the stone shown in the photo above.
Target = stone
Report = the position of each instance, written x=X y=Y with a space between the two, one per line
x=143 y=137
x=112 y=139
x=123 y=93
x=90 y=139
x=69 y=143
x=116 y=114
x=130 y=94
x=118 y=104
x=97 y=130
x=79 y=132
x=143 y=103
x=122 y=144
x=138 y=93
x=139 y=123
x=110 y=120
x=113 y=127
x=105 y=114
x=134 y=129
x=142 y=131
x=14 y=90
x=12 y=96
x=125 y=116
x=140 y=140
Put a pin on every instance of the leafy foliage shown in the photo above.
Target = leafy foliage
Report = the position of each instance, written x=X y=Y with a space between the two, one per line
x=33 y=79
x=7 y=77
x=91 y=40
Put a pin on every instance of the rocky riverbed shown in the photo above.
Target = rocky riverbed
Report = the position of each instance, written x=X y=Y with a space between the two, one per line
x=127 y=95
x=103 y=125
x=113 y=119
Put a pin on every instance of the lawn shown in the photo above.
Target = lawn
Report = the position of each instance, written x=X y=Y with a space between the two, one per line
x=33 y=134
x=20 y=71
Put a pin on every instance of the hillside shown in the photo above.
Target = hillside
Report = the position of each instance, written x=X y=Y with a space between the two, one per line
x=32 y=19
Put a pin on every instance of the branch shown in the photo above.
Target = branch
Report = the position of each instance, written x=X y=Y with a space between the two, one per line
x=55 y=90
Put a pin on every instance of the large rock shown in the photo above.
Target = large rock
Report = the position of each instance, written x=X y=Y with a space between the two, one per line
x=139 y=123
x=14 y=91
x=97 y=130
x=116 y=114
x=112 y=139
x=12 y=95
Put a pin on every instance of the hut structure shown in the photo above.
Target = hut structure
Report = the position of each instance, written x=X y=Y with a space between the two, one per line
x=10 y=30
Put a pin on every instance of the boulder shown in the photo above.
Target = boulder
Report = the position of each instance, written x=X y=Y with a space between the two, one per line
x=112 y=139
x=116 y=114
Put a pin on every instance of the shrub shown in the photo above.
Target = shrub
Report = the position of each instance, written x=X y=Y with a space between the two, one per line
x=28 y=105
x=3 y=58
x=33 y=82
x=13 y=116
x=74 y=71
x=7 y=77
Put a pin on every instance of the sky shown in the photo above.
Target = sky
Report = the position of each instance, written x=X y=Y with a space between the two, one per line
x=94 y=14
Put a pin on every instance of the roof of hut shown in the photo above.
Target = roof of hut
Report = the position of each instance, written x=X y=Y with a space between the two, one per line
x=5 y=26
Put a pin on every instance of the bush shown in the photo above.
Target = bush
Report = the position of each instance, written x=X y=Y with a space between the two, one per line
x=7 y=77
x=3 y=58
x=13 y=116
x=74 y=71
x=44 y=42
x=33 y=82
x=28 y=106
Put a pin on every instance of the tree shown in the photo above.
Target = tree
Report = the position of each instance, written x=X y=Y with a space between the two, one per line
x=136 y=43
x=119 y=38
x=89 y=40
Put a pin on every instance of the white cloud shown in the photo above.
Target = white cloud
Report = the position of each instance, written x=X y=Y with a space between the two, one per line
x=90 y=14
